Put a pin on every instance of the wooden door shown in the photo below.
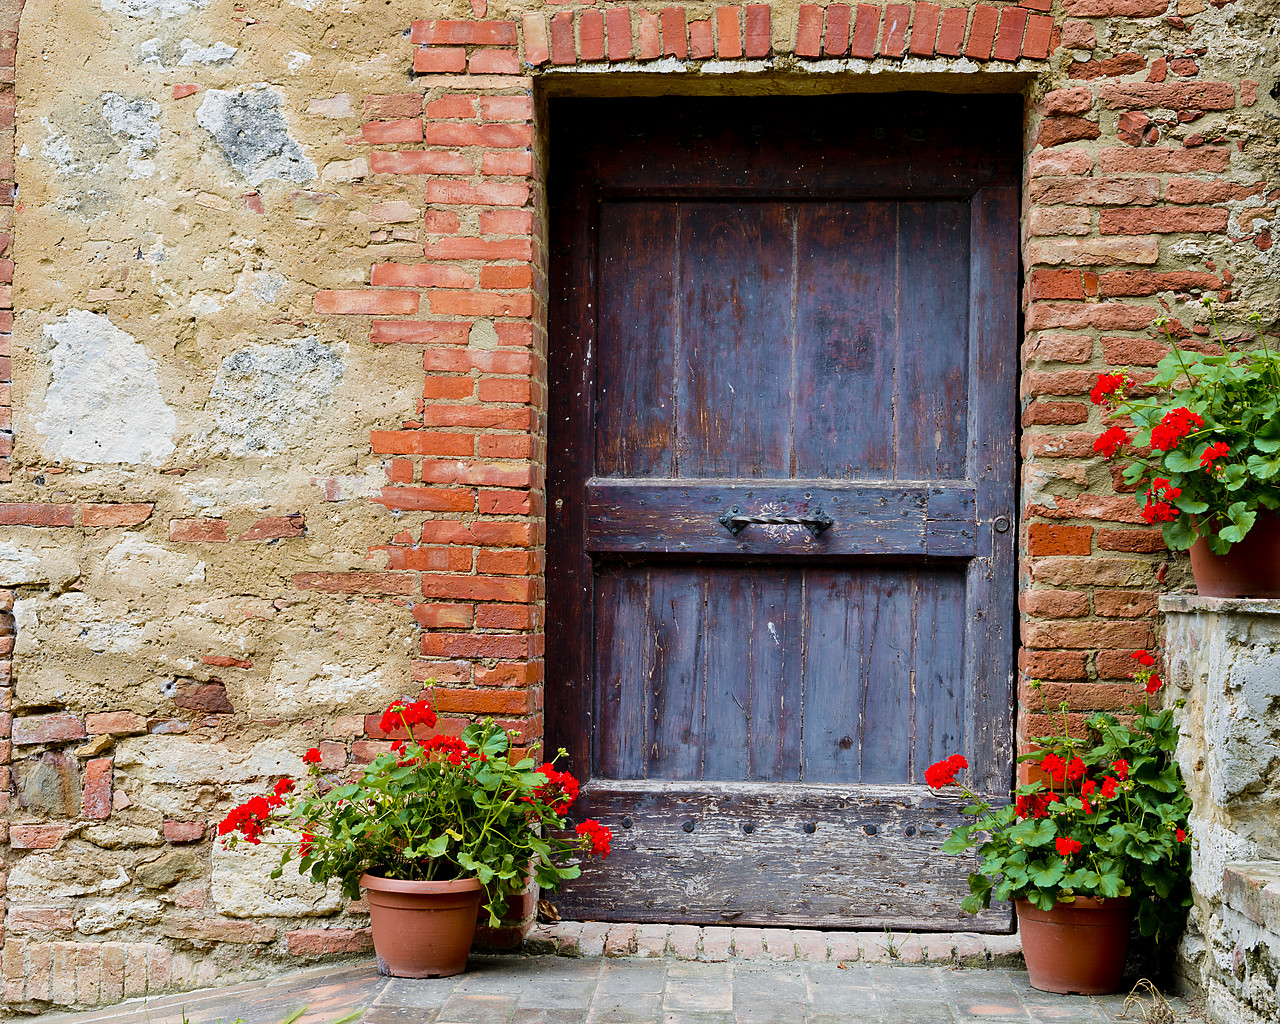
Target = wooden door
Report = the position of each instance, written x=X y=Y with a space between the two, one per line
x=767 y=310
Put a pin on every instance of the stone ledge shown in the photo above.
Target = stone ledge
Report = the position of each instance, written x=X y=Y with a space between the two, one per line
x=1219 y=605
x=718 y=943
x=1253 y=889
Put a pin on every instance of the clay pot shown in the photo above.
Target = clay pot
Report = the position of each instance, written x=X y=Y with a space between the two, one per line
x=1076 y=948
x=1250 y=569
x=422 y=929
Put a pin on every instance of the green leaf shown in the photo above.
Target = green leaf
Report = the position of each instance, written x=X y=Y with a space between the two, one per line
x=1179 y=535
x=1178 y=461
x=436 y=846
x=958 y=841
x=1235 y=476
x=1263 y=468
x=1048 y=874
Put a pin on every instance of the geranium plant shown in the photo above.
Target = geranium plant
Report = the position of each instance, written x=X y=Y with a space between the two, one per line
x=435 y=809
x=1106 y=817
x=1205 y=446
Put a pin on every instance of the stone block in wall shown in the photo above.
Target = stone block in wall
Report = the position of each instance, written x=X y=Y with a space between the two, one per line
x=243 y=886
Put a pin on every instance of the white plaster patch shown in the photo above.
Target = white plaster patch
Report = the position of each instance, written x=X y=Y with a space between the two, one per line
x=193 y=54
x=269 y=396
x=242 y=885
x=252 y=134
x=297 y=60
x=189 y=53
x=135 y=122
x=57 y=150
x=153 y=8
x=104 y=404
x=310 y=679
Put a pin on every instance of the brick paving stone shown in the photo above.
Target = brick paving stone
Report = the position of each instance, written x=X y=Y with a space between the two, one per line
x=651 y=940
x=811 y=945
x=591 y=941
x=621 y=940
x=716 y=943
x=939 y=946
x=748 y=943
x=683 y=941
x=779 y=944
x=846 y=947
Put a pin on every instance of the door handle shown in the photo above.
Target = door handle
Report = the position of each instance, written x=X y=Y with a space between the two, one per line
x=735 y=521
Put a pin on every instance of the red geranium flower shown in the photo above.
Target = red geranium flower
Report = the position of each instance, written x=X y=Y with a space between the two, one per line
x=312 y=756
x=1214 y=451
x=1180 y=835
x=1107 y=386
x=1121 y=768
x=1067 y=846
x=1173 y=428
x=601 y=836
x=284 y=786
x=308 y=841
x=1110 y=441
x=560 y=791
x=1154 y=683
x=943 y=773
x=1143 y=658
x=1109 y=787
x=1159 y=512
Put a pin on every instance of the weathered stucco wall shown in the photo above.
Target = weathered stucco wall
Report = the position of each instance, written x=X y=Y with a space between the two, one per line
x=1224 y=660
x=278 y=398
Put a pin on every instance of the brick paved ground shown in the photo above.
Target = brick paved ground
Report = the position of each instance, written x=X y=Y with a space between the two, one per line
x=632 y=990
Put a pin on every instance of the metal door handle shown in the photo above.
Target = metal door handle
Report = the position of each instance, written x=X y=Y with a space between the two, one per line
x=816 y=522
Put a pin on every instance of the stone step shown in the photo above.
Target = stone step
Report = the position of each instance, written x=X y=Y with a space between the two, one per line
x=718 y=943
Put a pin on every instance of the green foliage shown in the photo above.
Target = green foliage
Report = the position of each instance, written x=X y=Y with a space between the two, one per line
x=436 y=811
x=1236 y=396
x=1133 y=843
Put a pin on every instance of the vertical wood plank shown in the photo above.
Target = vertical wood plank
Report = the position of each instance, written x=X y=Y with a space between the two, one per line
x=676 y=619
x=733 y=373
x=845 y=321
x=933 y=340
x=730 y=626
x=938 y=670
x=623 y=662
x=634 y=401
x=886 y=677
x=833 y=674
x=777 y=680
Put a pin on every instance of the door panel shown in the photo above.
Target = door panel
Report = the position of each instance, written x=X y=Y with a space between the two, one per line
x=752 y=321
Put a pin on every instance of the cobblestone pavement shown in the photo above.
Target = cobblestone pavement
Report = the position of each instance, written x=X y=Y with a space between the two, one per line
x=629 y=990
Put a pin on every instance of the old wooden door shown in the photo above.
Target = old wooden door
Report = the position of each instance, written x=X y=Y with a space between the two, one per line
x=798 y=309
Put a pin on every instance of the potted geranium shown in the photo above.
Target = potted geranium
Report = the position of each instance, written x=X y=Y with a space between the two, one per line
x=1204 y=451
x=429 y=830
x=1096 y=839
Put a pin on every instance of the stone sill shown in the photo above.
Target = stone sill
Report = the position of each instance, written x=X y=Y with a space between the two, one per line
x=1193 y=603
x=1253 y=889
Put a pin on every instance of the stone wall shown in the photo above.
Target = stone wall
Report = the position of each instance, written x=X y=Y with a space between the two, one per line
x=279 y=390
x=1223 y=658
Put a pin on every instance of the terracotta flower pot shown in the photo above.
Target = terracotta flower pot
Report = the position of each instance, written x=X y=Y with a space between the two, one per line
x=1076 y=948
x=1250 y=569
x=422 y=929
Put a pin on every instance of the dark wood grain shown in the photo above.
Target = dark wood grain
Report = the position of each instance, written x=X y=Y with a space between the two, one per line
x=733 y=364
x=635 y=384
x=872 y=859
x=636 y=517
x=846 y=319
